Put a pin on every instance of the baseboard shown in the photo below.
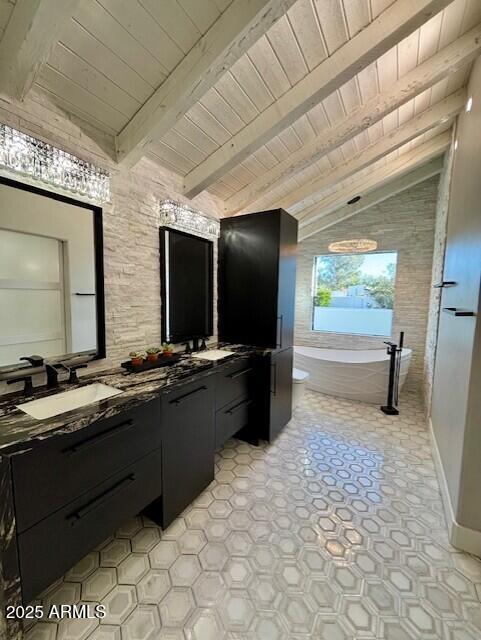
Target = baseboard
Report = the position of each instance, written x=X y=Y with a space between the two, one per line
x=460 y=537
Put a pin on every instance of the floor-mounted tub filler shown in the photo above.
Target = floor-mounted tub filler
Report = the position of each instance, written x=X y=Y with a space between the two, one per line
x=355 y=374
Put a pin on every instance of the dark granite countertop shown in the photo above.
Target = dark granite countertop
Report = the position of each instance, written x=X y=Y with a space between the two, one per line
x=19 y=431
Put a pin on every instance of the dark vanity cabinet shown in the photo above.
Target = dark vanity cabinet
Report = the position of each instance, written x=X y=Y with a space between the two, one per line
x=196 y=419
x=49 y=476
x=257 y=283
x=235 y=399
x=257 y=279
x=54 y=545
x=187 y=425
x=71 y=491
x=275 y=404
x=75 y=490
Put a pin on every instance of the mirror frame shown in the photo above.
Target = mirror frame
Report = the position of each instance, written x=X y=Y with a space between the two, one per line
x=98 y=253
x=163 y=281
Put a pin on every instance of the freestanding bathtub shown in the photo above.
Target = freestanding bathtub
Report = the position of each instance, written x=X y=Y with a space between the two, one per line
x=357 y=375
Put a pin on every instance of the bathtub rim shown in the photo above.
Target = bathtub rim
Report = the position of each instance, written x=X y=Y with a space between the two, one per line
x=406 y=353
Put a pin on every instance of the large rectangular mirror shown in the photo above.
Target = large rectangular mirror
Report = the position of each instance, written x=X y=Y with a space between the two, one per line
x=186 y=286
x=51 y=275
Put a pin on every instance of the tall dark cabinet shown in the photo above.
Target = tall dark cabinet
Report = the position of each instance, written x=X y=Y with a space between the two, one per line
x=257 y=281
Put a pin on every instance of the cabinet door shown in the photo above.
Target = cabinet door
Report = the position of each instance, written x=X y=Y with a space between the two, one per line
x=188 y=444
x=280 y=391
x=248 y=279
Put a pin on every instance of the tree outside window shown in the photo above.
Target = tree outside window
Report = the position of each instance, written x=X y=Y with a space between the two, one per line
x=354 y=293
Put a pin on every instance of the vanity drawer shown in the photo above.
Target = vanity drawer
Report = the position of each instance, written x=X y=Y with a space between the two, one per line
x=234 y=382
x=231 y=418
x=50 y=548
x=53 y=474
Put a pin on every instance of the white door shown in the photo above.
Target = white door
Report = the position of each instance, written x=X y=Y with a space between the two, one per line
x=32 y=319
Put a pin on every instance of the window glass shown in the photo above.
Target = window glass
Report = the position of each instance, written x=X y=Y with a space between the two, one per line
x=354 y=293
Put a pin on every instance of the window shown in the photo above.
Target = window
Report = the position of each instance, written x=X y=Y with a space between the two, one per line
x=354 y=293
x=32 y=304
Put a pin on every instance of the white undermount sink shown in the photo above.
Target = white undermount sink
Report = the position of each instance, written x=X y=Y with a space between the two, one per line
x=213 y=354
x=67 y=401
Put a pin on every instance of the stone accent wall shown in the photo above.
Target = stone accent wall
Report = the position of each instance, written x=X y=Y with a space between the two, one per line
x=440 y=231
x=131 y=224
x=403 y=223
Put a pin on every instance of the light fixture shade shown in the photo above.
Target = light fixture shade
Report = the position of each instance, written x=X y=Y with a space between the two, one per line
x=22 y=154
x=361 y=245
x=183 y=218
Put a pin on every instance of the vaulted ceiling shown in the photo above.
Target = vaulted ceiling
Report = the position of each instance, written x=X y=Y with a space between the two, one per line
x=295 y=103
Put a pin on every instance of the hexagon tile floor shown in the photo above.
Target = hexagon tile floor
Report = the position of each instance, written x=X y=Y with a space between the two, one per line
x=334 y=532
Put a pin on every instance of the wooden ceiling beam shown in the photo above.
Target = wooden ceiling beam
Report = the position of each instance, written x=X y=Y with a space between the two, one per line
x=231 y=35
x=364 y=184
x=438 y=114
x=395 y=23
x=444 y=63
x=387 y=190
x=31 y=34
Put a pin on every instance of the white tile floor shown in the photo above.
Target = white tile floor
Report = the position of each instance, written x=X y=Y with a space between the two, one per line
x=334 y=532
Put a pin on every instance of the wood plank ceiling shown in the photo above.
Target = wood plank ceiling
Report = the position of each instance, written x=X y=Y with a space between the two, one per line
x=114 y=54
x=6 y=9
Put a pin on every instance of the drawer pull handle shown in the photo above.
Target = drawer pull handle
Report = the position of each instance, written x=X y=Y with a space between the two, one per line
x=105 y=435
x=238 y=406
x=187 y=395
x=100 y=500
x=240 y=373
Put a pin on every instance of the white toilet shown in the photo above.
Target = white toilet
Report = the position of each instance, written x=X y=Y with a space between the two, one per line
x=299 y=381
